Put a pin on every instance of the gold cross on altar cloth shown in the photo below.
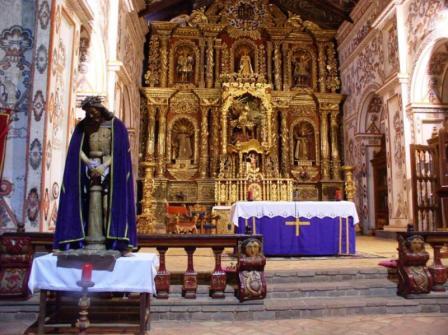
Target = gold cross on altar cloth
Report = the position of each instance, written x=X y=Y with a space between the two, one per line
x=297 y=223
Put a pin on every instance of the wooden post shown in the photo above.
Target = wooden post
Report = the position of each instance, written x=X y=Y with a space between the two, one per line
x=162 y=279
x=190 y=284
x=42 y=312
x=438 y=270
x=219 y=277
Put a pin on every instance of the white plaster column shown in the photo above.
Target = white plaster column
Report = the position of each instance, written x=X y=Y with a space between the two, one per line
x=113 y=66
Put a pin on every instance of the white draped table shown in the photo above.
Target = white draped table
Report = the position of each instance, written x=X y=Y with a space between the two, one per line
x=135 y=273
x=299 y=227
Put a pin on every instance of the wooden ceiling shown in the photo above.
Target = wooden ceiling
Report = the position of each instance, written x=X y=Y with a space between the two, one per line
x=326 y=13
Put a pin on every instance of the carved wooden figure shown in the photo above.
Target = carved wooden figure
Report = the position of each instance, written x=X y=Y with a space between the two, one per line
x=251 y=263
x=413 y=274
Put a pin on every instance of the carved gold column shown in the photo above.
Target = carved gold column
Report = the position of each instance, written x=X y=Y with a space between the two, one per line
x=204 y=142
x=285 y=144
x=146 y=220
x=336 y=162
x=210 y=63
x=163 y=61
x=277 y=66
x=322 y=67
x=224 y=132
x=150 y=143
x=215 y=142
x=285 y=49
x=324 y=145
x=161 y=159
x=201 y=63
x=269 y=62
x=218 y=46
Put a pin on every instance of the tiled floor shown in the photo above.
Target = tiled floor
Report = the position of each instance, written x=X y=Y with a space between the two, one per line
x=353 y=325
x=421 y=324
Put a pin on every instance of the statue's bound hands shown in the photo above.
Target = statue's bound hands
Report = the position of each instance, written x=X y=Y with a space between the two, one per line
x=92 y=164
x=99 y=170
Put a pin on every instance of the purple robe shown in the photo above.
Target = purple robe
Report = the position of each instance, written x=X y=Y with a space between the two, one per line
x=71 y=224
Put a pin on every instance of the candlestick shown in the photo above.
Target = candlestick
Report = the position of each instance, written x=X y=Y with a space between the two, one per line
x=87 y=272
x=338 y=195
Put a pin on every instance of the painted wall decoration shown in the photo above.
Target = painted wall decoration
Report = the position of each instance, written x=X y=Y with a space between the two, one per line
x=16 y=58
x=61 y=103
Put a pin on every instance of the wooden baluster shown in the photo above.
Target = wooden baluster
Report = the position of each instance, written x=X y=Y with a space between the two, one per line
x=163 y=276
x=219 y=277
x=438 y=270
x=190 y=284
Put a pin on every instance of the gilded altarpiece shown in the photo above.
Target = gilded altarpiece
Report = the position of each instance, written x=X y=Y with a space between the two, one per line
x=239 y=99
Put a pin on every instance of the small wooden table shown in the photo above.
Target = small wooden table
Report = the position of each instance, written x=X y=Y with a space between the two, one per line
x=133 y=274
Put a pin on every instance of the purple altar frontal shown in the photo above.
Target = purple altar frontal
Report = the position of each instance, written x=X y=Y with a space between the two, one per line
x=300 y=228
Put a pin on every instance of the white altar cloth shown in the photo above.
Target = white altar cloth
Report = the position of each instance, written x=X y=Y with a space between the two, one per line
x=305 y=209
x=135 y=273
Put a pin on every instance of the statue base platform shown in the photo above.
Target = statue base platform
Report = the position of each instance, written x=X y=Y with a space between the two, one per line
x=101 y=259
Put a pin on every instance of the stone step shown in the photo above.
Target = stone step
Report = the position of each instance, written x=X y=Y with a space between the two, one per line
x=204 y=308
x=343 y=274
x=359 y=287
x=277 y=309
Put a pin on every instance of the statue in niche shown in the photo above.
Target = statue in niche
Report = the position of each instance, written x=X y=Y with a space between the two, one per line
x=252 y=164
x=245 y=63
x=182 y=142
x=302 y=73
x=184 y=66
x=245 y=119
x=302 y=143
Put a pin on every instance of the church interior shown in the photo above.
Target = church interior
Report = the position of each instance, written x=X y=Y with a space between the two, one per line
x=259 y=166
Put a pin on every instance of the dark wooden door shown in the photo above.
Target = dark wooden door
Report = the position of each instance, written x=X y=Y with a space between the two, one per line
x=379 y=165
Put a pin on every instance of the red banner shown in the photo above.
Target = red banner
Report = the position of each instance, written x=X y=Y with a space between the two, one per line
x=4 y=126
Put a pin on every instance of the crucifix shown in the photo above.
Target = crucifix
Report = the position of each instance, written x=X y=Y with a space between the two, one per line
x=297 y=223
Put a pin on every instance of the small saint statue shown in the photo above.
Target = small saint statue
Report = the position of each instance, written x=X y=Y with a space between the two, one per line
x=184 y=147
x=302 y=71
x=184 y=67
x=301 y=149
x=245 y=64
x=97 y=207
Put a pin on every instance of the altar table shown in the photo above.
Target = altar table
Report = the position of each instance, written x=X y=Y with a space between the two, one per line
x=134 y=274
x=293 y=228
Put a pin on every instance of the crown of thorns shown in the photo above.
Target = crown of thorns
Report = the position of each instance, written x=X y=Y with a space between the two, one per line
x=93 y=101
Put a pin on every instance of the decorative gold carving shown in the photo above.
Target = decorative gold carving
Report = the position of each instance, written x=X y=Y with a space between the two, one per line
x=152 y=75
x=332 y=81
x=197 y=17
x=277 y=67
x=350 y=188
x=184 y=103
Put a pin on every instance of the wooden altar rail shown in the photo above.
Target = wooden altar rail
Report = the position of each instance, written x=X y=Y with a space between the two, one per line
x=218 y=281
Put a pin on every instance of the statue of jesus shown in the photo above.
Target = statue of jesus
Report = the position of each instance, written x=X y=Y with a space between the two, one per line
x=97 y=208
